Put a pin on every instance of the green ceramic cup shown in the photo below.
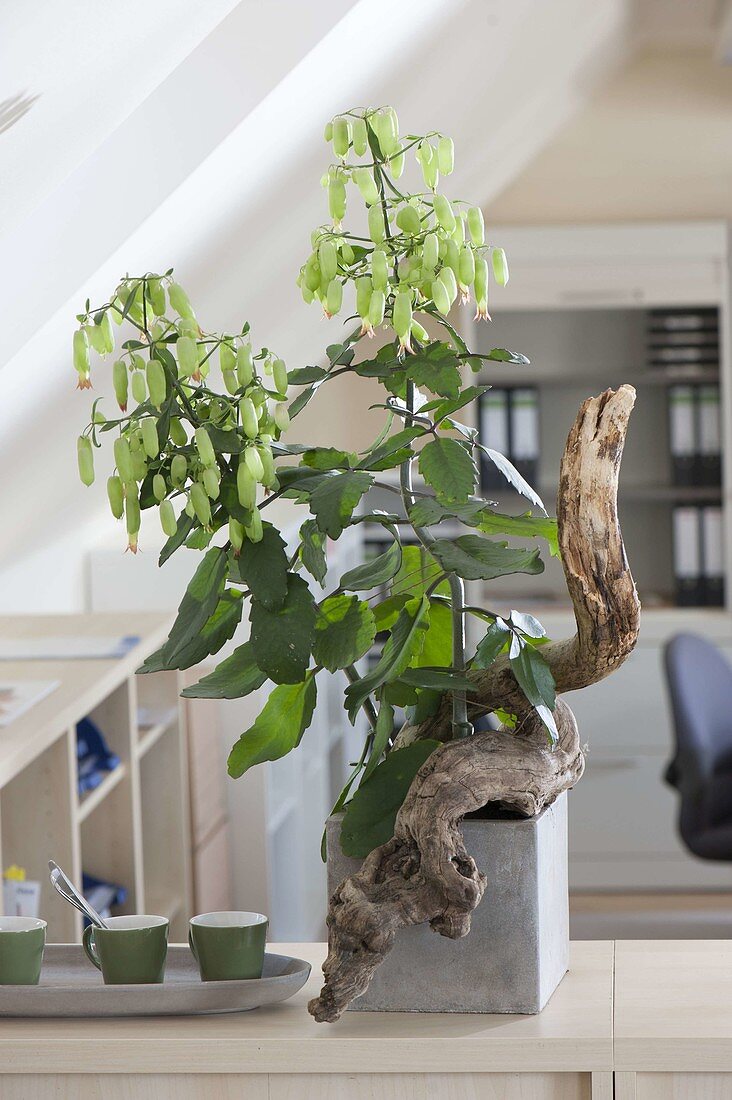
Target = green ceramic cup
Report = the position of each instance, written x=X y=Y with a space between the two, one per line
x=131 y=951
x=228 y=946
x=22 y=940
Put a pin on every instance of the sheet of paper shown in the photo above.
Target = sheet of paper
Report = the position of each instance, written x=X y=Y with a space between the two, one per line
x=66 y=647
x=18 y=696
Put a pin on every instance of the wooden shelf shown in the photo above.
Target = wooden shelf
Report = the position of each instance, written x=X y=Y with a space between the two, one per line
x=149 y=735
x=140 y=838
x=89 y=801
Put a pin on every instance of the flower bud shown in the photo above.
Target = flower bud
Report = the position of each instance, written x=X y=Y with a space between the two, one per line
x=236 y=534
x=159 y=487
x=445 y=155
x=156 y=382
x=254 y=463
x=246 y=486
x=476 y=226
x=204 y=446
x=85 y=459
x=178 y=470
x=123 y=458
x=359 y=136
x=249 y=419
x=500 y=266
x=139 y=389
x=115 y=495
x=187 y=350
x=244 y=364
x=201 y=504
x=279 y=376
x=253 y=529
x=281 y=417
x=177 y=432
x=180 y=302
x=149 y=430
x=119 y=381
x=211 y=481
x=366 y=184
x=168 y=521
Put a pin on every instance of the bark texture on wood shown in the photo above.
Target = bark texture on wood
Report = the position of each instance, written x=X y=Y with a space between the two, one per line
x=424 y=872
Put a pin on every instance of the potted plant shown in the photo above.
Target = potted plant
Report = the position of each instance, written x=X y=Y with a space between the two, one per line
x=202 y=439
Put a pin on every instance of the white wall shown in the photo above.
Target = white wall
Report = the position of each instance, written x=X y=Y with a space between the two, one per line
x=654 y=145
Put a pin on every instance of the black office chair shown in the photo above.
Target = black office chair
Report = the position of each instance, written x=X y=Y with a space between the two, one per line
x=700 y=685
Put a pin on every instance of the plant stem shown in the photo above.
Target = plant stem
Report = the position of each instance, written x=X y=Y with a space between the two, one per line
x=461 y=727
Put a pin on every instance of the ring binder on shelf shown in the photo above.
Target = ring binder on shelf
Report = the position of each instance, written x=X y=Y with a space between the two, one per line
x=493 y=433
x=682 y=434
x=712 y=555
x=709 y=460
x=687 y=557
x=524 y=431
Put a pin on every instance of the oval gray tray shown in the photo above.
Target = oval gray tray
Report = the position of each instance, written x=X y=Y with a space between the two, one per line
x=71 y=986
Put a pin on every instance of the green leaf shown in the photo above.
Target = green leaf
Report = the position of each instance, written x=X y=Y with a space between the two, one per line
x=386 y=613
x=200 y=539
x=263 y=568
x=437 y=648
x=312 y=551
x=404 y=643
x=235 y=677
x=382 y=733
x=302 y=399
x=329 y=458
x=390 y=452
x=527 y=624
x=503 y=355
x=185 y=526
x=301 y=375
x=512 y=476
x=333 y=501
x=437 y=368
x=278 y=729
x=375 y=572
x=446 y=407
x=437 y=679
x=535 y=679
x=476 y=558
x=428 y=511
x=226 y=442
x=417 y=572
x=283 y=639
x=219 y=628
x=344 y=632
x=371 y=813
x=525 y=526
x=494 y=641
x=196 y=608
x=448 y=468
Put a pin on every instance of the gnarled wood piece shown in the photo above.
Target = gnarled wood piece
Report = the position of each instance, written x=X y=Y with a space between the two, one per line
x=424 y=872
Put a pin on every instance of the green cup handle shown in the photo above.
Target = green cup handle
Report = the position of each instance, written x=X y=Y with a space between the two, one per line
x=89 y=946
x=190 y=944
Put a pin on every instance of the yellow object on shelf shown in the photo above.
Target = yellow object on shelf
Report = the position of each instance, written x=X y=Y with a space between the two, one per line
x=14 y=873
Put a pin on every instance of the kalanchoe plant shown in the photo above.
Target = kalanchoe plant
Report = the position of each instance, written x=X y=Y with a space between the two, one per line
x=211 y=458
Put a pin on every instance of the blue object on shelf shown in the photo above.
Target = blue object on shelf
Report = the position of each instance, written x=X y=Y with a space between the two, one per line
x=93 y=757
x=101 y=895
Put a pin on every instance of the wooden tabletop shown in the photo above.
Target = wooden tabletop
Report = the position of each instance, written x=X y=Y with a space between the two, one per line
x=673 y=1005
x=574 y=1032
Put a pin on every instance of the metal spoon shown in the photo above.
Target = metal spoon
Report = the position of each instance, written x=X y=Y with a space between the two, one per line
x=68 y=892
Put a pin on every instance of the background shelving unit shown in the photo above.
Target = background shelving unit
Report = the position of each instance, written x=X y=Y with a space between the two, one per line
x=577 y=305
x=133 y=829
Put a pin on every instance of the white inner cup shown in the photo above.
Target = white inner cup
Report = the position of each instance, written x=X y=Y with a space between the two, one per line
x=21 y=924
x=229 y=920
x=133 y=920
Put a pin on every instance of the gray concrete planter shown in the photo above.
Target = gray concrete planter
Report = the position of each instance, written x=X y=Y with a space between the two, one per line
x=518 y=949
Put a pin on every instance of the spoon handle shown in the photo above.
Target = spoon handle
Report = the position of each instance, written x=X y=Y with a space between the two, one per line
x=63 y=885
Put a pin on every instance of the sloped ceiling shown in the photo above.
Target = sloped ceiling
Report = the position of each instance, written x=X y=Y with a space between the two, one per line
x=216 y=172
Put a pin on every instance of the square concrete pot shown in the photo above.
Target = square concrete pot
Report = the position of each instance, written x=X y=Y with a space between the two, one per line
x=518 y=948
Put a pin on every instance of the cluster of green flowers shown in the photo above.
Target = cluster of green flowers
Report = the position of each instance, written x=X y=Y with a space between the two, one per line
x=422 y=251
x=171 y=449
